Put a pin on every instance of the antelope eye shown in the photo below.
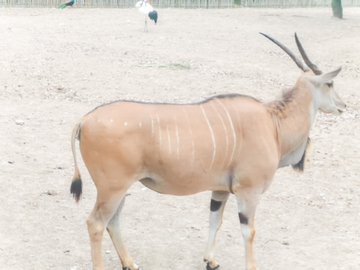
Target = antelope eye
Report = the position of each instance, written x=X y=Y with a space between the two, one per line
x=330 y=84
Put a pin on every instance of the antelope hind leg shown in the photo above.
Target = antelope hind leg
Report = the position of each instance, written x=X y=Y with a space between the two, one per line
x=106 y=213
x=113 y=228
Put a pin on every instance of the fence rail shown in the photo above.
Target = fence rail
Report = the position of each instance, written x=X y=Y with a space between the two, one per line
x=296 y=3
x=178 y=3
x=120 y=3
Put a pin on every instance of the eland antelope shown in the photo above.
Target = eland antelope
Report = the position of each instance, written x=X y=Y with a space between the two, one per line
x=229 y=144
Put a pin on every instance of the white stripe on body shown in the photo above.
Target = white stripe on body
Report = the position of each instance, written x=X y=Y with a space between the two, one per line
x=226 y=135
x=192 y=137
x=158 y=120
x=168 y=133
x=212 y=136
x=233 y=130
x=177 y=139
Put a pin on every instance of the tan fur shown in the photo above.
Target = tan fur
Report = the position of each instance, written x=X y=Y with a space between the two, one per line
x=227 y=144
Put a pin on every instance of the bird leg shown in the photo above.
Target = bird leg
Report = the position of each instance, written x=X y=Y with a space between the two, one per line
x=145 y=28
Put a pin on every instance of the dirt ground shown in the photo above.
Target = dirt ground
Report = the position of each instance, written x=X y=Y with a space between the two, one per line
x=56 y=65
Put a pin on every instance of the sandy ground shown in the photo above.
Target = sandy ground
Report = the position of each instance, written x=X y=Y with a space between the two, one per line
x=56 y=65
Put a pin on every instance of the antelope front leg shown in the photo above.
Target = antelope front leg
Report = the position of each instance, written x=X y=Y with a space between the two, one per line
x=247 y=202
x=217 y=206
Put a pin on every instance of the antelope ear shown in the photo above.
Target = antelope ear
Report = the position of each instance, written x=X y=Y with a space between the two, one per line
x=327 y=77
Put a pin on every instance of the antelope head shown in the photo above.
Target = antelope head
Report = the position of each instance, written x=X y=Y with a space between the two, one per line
x=324 y=96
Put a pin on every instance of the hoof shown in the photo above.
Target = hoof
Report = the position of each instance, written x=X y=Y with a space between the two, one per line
x=208 y=267
x=128 y=268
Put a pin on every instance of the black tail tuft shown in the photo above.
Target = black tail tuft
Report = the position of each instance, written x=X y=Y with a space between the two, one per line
x=76 y=189
x=153 y=15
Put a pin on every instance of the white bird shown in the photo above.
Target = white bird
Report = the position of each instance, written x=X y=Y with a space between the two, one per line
x=146 y=9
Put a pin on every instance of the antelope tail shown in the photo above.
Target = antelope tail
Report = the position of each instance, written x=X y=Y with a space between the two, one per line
x=76 y=184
